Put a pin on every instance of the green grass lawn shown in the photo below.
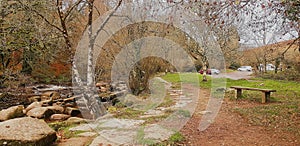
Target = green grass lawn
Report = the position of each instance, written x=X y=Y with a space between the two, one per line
x=286 y=90
x=282 y=113
x=193 y=78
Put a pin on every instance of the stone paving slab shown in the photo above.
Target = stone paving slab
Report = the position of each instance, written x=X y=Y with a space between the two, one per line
x=87 y=134
x=119 y=123
x=99 y=140
x=120 y=137
x=84 y=127
x=157 y=133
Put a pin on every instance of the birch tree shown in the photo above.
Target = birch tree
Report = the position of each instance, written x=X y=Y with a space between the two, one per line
x=93 y=105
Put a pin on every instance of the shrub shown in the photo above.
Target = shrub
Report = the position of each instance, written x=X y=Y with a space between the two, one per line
x=289 y=75
x=234 y=65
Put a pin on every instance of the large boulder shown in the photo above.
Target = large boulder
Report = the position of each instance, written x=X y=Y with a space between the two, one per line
x=12 y=112
x=40 y=112
x=26 y=132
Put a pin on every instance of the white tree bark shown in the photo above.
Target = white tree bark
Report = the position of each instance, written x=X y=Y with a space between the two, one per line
x=94 y=106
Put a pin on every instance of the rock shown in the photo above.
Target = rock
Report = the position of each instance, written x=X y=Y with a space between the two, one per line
x=59 y=117
x=152 y=113
x=72 y=111
x=120 y=93
x=33 y=105
x=47 y=102
x=117 y=137
x=84 y=127
x=119 y=123
x=101 y=84
x=113 y=96
x=45 y=98
x=87 y=134
x=98 y=85
x=106 y=104
x=157 y=133
x=101 y=141
x=205 y=112
x=76 y=120
x=26 y=132
x=34 y=99
x=174 y=94
x=106 y=116
x=51 y=95
x=57 y=104
x=71 y=99
x=56 y=109
x=40 y=112
x=103 y=89
x=70 y=104
x=76 y=141
x=12 y=112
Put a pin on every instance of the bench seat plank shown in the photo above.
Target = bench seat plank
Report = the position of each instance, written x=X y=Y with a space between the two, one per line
x=266 y=92
x=250 y=88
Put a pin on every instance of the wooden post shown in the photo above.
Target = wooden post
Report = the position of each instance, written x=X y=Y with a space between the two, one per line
x=238 y=93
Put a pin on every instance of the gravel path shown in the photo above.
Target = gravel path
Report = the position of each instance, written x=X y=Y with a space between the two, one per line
x=236 y=75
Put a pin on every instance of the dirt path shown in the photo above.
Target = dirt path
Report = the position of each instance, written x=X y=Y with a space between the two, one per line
x=229 y=129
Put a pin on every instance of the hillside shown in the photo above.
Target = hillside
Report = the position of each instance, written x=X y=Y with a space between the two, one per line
x=285 y=52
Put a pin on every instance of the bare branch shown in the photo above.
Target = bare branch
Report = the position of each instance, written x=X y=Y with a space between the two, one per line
x=107 y=19
x=289 y=47
x=40 y=15
x=71 y=9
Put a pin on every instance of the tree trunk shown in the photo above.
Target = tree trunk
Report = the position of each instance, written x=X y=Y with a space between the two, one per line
x=204 y=72
x=265 y=65
x=94 y=107
x=277 y=63
x=90 y=65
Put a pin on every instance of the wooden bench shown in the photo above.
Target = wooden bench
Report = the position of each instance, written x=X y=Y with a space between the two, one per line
x=265 y=96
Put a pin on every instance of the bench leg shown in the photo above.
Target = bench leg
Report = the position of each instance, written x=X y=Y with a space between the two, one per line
x=238 y=93
x=265 y=97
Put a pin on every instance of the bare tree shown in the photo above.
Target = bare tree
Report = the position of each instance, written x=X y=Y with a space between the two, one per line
x=91 y=103
x=258 y=22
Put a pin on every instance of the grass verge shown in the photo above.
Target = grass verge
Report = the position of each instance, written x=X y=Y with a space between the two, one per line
x=284 y=117
x=62 y=128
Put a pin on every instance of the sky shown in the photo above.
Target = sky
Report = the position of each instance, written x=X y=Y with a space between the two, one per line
x=257 y=26
x=263 y=26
